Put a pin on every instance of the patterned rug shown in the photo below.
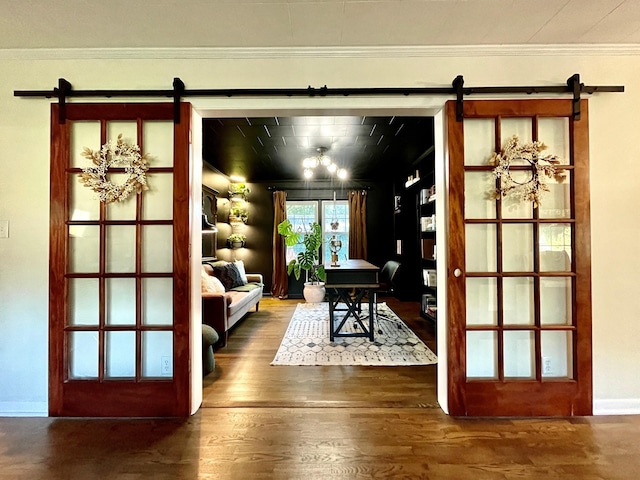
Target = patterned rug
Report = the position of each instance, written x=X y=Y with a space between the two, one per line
x=306 y=341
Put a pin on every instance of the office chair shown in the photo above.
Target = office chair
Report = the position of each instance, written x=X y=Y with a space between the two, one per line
x=387 y=281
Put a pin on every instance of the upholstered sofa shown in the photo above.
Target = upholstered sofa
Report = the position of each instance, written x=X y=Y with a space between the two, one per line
x=222 y=310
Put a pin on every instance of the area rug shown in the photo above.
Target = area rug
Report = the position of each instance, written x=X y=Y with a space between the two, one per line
x=306 y=341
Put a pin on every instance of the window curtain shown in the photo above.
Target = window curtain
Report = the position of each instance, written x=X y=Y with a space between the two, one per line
x=280 y=279
x=358 y=224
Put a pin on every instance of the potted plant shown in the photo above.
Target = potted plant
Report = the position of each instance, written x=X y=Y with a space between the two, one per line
x=238 y=214
x=239 y=190
x=236 y=240
x=308 y=258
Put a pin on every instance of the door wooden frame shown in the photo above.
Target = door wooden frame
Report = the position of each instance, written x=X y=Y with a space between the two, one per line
x=471 y=398
x=129 y=398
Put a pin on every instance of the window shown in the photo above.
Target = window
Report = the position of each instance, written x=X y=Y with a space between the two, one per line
x=336 y=213
x=302 y=213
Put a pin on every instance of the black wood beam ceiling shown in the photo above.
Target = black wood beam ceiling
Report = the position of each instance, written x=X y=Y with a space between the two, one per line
x=64 y=90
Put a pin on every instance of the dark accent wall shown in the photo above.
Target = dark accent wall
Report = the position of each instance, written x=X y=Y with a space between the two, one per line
x=258 y=253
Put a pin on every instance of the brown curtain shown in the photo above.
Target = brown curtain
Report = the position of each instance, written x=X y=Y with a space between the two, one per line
x=358 y=224
x=280 y=279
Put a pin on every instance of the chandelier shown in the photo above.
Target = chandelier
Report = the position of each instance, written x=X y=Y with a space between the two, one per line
x=322 y=160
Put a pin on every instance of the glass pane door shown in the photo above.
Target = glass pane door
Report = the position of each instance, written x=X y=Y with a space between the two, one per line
x=120 y=290
x=519 y=281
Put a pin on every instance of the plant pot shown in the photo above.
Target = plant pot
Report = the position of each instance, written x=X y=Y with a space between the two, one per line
x=237 y=244
x=314 y=292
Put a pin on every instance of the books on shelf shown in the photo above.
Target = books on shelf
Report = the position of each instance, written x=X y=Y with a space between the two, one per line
x=429 y=277
x=397 y=199
x=428 y=224
x=429 y=305
x=427 y=195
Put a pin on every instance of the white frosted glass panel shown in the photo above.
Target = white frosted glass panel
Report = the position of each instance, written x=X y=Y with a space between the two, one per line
x=83 y=203
x=120 y=301
x=157 y=301
x=480 y=248
x=120 y=356
x=482 y=301
x=84 y=249
x=522 y=127
x=83 y=134
x=83 y=355
x=482 y=355
x=128 y=129
x=555 y=247
x=557 y=354
x=478 y=187
x=519 y=354
x=121 y=248
x=125 y=210
x=157 y=248
x=554 y=133
x=479 y=135
x=515 y=207
x=157 y=354
x=84 y=303
x=555 y=301
x=517 y=247
x=518 y=303
x=158 y=200
x=556 y=203
x=158 y=143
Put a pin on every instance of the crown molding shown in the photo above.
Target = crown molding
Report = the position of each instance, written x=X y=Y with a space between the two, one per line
x=408 y=51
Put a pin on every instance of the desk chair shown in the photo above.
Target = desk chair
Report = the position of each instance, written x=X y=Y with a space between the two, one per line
x=387 y=281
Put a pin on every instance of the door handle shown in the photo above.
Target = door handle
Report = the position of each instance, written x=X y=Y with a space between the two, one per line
x=457 y=272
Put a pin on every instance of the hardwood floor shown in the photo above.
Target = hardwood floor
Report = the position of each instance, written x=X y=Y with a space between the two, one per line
x=314 y=423
x=243 y=376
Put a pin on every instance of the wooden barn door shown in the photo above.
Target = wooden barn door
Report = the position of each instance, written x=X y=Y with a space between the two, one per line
x=519 y=278
x=119 y=272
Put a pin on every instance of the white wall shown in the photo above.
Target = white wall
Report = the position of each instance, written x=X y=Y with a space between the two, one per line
x=24 y=174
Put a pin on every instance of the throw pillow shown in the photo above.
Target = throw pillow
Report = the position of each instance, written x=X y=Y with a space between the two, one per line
x=229 y=275
x=243 y=274
x=211 y=284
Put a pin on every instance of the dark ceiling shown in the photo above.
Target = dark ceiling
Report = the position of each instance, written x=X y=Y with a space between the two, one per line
x=272 y=148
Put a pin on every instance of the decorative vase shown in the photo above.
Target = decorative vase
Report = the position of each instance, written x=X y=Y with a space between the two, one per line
x=314 y=292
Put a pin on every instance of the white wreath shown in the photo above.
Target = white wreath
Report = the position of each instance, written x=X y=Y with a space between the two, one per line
x=542 y=169
x=115 y=154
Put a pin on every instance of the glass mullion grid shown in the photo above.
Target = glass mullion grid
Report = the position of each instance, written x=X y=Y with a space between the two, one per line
x=139 y=205
x=499 y=265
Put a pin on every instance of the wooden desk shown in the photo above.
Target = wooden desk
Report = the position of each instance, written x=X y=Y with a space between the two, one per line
x=358 y=275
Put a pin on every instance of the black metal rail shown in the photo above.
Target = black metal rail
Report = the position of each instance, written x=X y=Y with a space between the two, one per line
x=65 y=90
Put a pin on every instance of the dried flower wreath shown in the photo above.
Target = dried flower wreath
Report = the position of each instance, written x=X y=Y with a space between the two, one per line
x=542 y=169
x=115 y=154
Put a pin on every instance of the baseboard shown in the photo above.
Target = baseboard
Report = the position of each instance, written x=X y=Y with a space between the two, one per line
x=627 y=406
x=24 y=409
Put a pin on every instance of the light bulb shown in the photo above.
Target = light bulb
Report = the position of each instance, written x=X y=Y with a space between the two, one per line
x=342 y=173
x=308 y=173
x=332 y=167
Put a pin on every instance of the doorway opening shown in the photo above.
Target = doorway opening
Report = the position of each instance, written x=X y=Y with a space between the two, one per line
x=256 y=328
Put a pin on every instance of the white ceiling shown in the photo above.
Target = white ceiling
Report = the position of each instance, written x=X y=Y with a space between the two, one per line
x=314 y=23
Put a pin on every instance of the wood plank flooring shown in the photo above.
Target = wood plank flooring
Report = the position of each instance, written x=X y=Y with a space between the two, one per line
x=244 y=376
x=281 y=423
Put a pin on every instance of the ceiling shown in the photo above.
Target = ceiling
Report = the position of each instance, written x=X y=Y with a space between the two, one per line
x=314 y=23
x=272 y=148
